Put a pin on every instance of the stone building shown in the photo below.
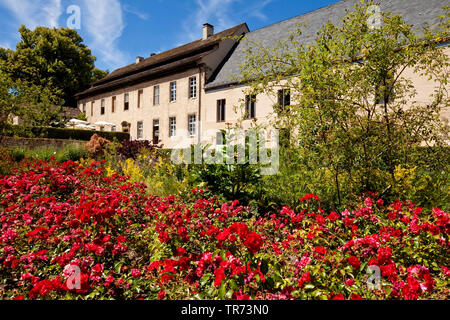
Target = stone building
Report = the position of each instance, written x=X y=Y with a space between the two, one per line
x=190 y=93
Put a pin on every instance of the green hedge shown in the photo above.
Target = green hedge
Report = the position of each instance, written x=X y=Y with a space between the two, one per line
x=62 y=133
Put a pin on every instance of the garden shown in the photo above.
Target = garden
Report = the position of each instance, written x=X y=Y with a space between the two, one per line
x=97 y=218
x=358 y=209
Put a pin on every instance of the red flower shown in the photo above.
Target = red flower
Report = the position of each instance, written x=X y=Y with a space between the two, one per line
x=333 y=216
x=180 y=252
x=305 y=278
x=161 y=295
x=135 y=273
x=356 y=297
x=220 y=275
x=253 y=242
x=349 y=282
x=384 y=255
x=310 y=196
x=321 y=250
x=354 y=262
x=339 y=296
x=241 y=296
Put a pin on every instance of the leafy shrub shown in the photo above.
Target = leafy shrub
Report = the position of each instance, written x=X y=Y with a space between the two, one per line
x=97 y=146
x=44 y=153
x=131 y=149
x=17 y=153
x=71 y=153
x=63 y=133
x=230 y=182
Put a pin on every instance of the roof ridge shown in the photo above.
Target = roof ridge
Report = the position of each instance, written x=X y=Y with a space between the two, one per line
x=213 y=39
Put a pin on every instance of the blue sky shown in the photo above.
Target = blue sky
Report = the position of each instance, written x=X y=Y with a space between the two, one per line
x=119 y=30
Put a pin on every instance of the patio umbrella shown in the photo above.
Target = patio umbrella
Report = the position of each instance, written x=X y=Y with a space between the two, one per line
x=73 y=122
x=83 y=126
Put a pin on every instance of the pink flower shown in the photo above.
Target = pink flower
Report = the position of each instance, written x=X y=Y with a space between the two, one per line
x=135 y=273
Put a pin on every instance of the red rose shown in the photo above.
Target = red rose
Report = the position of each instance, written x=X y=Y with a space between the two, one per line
x=333 y=216
x=354 y=262
x=253 y=242
x=161 y=295
x=220 y=275
x=320 y=250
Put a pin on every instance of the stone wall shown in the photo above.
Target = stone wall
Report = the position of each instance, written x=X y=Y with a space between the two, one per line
x=32 y=143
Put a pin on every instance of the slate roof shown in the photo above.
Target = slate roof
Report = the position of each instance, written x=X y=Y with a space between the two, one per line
x=414 y=12
x=167 y=61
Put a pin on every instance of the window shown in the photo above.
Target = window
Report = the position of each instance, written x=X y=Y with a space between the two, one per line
x=126 y=104
x=220 y=138
x=92 y=108
x=140 y=130
x=284 y=98
x=126 y=126
x=84 y=107
x=221 y=110
x=155 y=95
x=113 y=128
x=173 y=91
x=102 y=108
x=193 y=87
x=155 y=131
x=191 y=124
x=250 y=107
x=140 y=98
x=113 y=104
x=172 y=126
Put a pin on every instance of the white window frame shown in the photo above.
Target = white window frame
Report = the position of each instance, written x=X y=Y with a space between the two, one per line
x=173 y=91
x=140 y=130
x=156 y=93
x=172 y=127
x=192 y=124
x=192 y=87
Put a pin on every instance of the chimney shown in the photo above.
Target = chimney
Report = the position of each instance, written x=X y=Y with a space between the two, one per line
x=208 y=31
x=139 y=59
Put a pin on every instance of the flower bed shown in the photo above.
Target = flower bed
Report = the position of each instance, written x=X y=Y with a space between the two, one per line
x=59 y=218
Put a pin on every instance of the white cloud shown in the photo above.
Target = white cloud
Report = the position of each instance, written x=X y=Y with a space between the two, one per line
x=216 y=12
x=103 y=21
x=5 y=44
x=35 y=13
x=257 y=10
x=136 y=12
x=223 y=14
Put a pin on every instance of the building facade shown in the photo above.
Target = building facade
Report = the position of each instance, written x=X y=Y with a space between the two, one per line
x=188 y=94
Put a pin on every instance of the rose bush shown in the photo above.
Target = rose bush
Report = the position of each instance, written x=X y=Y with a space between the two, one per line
x=56 y=218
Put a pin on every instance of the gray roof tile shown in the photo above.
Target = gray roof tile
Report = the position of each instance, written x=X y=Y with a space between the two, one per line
x=414 y=12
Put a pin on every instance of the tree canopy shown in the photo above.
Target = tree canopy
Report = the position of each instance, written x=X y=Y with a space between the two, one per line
x=52 y=59
x=354 y=116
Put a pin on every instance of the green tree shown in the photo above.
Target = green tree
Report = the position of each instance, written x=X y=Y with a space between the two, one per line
x=353 y=116
x=52 y=59
x=32 y=104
